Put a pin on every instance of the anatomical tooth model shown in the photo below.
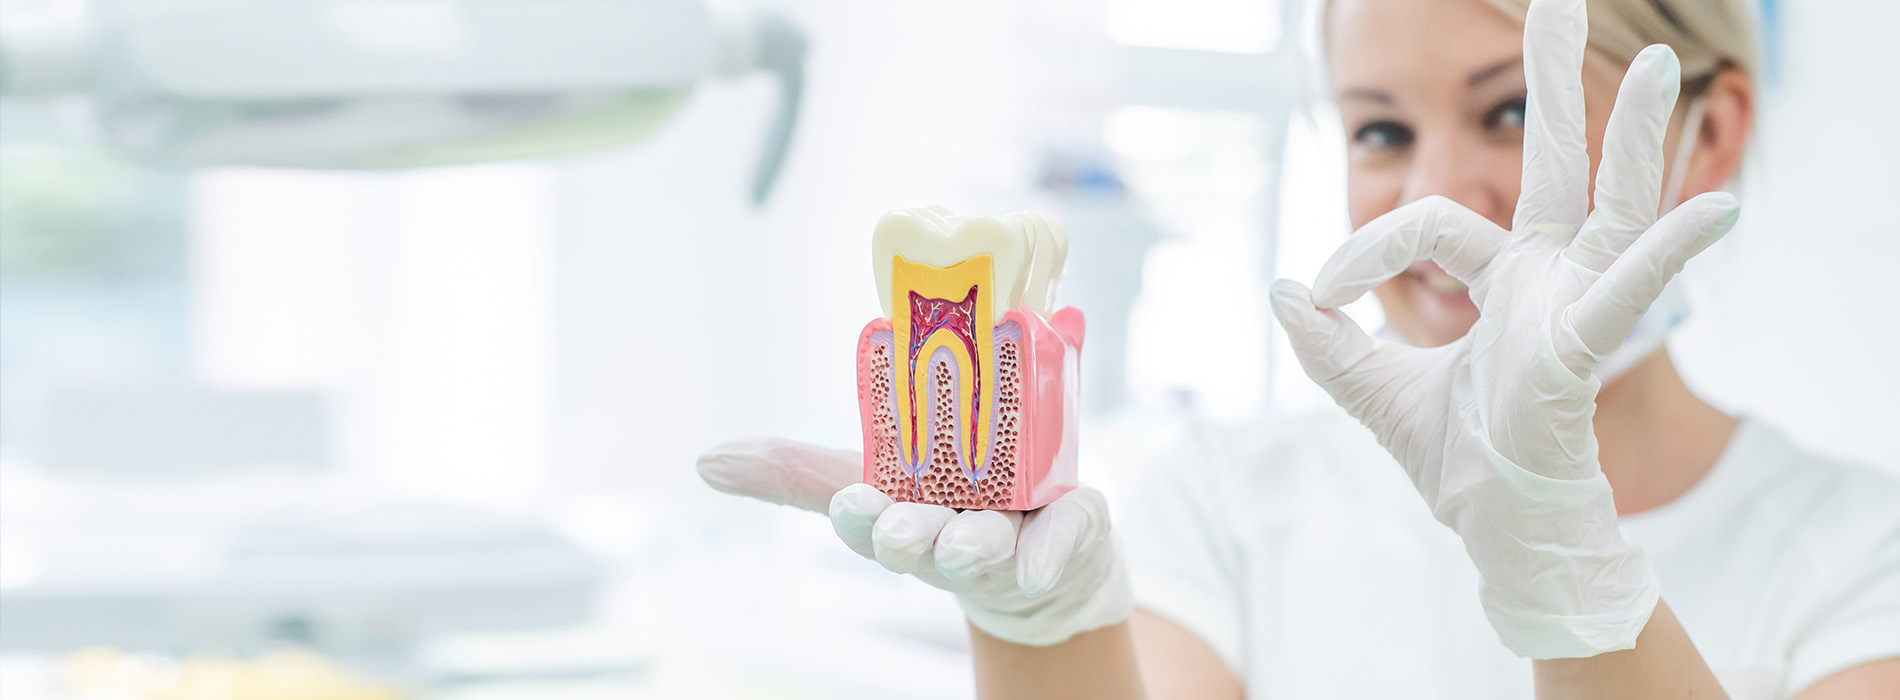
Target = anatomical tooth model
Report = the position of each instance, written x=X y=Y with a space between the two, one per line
x=967 y=386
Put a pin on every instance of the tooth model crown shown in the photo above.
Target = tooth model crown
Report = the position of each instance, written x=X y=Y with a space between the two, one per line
x=967 y=386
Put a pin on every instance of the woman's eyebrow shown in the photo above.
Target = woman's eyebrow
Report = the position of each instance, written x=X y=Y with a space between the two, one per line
x=1494 y=70
x=1369 y=94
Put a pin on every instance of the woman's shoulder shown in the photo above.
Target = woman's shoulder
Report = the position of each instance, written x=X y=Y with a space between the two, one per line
x=1808 y=495
x=1289 y=458
x=1304 y=437
x=1791 y=551
x=1793 y=471
x=1236 y=482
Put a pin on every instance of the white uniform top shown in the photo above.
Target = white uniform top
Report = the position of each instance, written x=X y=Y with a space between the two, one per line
x=1301 y=554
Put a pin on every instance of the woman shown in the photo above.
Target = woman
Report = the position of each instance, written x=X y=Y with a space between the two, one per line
x=1604 y=513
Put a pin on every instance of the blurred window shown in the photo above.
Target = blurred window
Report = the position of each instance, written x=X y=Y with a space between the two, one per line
x=1235 y=26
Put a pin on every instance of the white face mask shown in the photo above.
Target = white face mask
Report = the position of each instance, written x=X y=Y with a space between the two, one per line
x=1672 y=308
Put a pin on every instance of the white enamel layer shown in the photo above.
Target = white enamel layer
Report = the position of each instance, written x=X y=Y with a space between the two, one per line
x=1026 y=250
x=1051 y=245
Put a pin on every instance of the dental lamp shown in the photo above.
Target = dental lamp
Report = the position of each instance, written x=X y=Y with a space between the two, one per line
x=368 y=84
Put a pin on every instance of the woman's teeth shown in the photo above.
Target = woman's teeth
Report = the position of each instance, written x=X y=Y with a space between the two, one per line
x=1441 y=282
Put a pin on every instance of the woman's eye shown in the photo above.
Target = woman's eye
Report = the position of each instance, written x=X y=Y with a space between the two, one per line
x=1382 y=136
x=1507 y=115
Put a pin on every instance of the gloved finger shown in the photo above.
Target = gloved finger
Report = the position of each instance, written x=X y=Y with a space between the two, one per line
x=1327 y=342
x=976 y=542
x=1052 y=534
x=793 y=473
x=1434 y=228
x=1610 y=307
x=1629 y=178
x=1556 y=179
x=854 y=511
x=905 y=532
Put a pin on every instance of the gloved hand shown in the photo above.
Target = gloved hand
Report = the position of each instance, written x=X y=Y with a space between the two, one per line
x=1495 y=428
x=1035 y=578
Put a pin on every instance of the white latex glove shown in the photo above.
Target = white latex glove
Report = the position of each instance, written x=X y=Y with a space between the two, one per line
x=1035 y=578
x=1495 y=429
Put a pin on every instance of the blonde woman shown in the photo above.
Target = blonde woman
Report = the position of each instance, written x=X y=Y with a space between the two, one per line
x=1521 y=197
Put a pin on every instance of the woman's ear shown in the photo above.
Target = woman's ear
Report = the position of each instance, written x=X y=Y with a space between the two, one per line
x=1727 y=118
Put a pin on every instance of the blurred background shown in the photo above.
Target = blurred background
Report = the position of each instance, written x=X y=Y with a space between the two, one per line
x=362 y=348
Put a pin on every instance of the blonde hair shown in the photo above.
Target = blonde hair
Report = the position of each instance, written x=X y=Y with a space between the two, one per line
x=1707 y=35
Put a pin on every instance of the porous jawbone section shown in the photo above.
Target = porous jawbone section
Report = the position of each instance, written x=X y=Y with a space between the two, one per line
x=941 y=477
x=997 y=488
x=891 y=478
x=944 y=482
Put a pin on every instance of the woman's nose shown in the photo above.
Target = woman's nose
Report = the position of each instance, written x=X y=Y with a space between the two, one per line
x=1444 y=167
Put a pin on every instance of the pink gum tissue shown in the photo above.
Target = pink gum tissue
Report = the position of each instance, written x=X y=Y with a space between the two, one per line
x=1034 y=400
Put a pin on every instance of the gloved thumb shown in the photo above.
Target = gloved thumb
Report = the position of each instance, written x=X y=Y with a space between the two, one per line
x=1052 y=534
x=797 y=474
x=1327 y=342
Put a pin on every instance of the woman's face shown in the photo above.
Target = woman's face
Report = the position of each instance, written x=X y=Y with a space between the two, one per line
x=1431 y=93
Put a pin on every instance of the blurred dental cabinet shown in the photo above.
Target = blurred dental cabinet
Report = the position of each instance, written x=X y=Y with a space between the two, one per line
x=242 y=390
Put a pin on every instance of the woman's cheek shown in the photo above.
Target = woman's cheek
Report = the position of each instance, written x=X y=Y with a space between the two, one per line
x=1371 y=192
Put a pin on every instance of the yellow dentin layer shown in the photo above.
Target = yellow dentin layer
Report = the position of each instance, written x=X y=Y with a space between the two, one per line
x=943 y=307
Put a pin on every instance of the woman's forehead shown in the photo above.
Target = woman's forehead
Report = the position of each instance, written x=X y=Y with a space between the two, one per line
x=1417 y=40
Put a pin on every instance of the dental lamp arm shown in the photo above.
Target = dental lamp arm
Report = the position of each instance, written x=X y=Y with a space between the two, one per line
x=782 y=54
x=324 y=86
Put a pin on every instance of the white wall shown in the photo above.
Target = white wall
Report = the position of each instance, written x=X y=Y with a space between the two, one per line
x=416 y=301
x=685 y=317
x=1797 y=313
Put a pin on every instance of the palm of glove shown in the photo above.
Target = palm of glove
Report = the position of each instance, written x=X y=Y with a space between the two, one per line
x=1001 y=561
x=1033 y=578
x=1495 y=429
x=1501 y=387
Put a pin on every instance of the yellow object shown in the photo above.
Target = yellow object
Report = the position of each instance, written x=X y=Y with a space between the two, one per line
x=285 y=674
x=953 y=284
